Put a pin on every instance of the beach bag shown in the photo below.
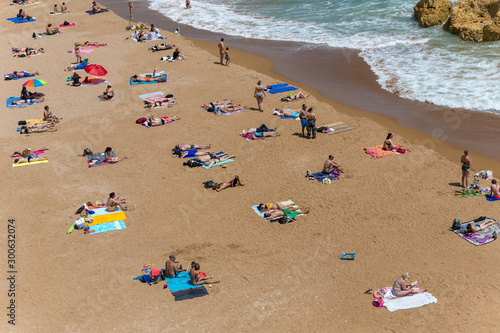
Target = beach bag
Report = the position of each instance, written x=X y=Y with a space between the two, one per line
x=21 y=122
x=169 y=96
x=176 y=151
x=209 y=184
x=80 y=223
x=210 y=109
x=192 y=163
x=378 y=303
x=285 y=220
x=66 y=23
x=456 y=225
x=140 y=120
x=401 y=150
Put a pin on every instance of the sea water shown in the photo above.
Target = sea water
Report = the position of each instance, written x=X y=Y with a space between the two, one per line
x=427 y=65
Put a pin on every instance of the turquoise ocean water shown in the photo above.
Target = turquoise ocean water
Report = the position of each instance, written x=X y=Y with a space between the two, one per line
x=426 y=65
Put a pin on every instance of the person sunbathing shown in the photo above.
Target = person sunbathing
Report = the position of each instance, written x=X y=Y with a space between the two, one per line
x=22 y=14
x=49 y=116
x=227 y=107
x=109 y=158
x=388 y=145
x=64 y=8
x=471 y=229
x=113 y=203
x=161 y=46
x=185 y=150
x=177 y=55
x=29 y=159
x=109 y=93
x=18 y=74
x=272 y=206
x=261 y=128
x=27 y=101
x=27 y=152
x=96 y=8
x=144 y=78
x=37 y=128
x=196 y=279
x=210 y=159
x=77 y=66
x=27 y=49
x=294 y=97
x=232 y=183
x=277 y=213
x=56 y=9
x=51 y=31
x=152 y=121
x=258 y=135
x=402 y=288
x=286 y=113
x=331 y=166
x=159 y=102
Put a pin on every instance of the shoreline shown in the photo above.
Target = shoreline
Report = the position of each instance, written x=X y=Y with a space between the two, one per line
x=437 y=127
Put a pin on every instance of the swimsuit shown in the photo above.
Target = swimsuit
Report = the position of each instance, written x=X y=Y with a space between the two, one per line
x=303 y=122
x=258 y=134
x=260 y=95
x=465 y=168
x=232 y=183
x=162 y=121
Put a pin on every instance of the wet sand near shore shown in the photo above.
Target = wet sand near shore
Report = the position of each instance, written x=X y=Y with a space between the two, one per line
x=341 y=78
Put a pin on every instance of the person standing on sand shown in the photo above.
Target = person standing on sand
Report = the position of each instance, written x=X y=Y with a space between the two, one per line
x=228 y=59
x=77 y=53
x=466 y=161
x=222 y=51
x=311 y=123
x=259 y=94
x=131 y=8
x=303 y=120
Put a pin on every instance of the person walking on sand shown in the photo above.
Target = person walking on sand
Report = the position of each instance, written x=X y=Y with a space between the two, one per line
x=311 y=123
x=259 y=94
x=302 y=117
x=466 y=161
x=130 y=9
x=222 y=51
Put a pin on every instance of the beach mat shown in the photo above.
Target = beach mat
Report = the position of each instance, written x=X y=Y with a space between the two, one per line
x=378 y=152
x=282 y=90
x=30 y=163
x=479 y=238
x=295 y=115
x=12 y=99
x=151 y=96
x=288 y=202
x=320 y=176
x=133 y=83
x=11 y=77
x=105 y=218
x=82 y=51
x=338 y=127
x=180 y=282
x=105 y=227
x=19 y=20
x=191 y=293
x=103 y=10
x=491 y=198
x=228 y=113
x=409 y=302
x=158 y=37
x=67 y=25
x=104 y=211
x=277 y=86
x=45 y=35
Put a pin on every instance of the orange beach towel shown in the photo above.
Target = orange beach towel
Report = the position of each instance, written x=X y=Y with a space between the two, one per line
x=378 y=152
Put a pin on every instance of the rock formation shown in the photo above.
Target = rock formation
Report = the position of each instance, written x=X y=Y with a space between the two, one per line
x=432 y=12
x=475 y=20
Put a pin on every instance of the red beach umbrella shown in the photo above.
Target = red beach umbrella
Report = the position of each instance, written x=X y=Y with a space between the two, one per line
x=96 y=70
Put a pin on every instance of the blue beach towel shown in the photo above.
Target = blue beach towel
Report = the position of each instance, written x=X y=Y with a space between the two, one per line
x=18 y=20
x=491 y=198
x=320 y=176
x=13 y=99
x=103 y=10
x=133 y=83
x=278 y=86
x=11 y=77
x=282 y=90
x=105 y=227
x=180 y=282
x=295 y=115
x=190 y=153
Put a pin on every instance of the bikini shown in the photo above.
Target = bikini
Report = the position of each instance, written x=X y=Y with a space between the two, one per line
x=396 y=291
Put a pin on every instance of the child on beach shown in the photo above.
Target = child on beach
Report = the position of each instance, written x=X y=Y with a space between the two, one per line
x=226 y=56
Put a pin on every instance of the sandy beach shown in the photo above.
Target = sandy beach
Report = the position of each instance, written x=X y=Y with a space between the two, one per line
x=394 y=212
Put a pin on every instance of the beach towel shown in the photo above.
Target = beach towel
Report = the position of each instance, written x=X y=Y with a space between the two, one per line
x=82 y=51
x=295 y=115
x=320 y=176
x=281 y=90
x=103 y=10
x=13 y=99
x=465 y=192
x=133 y=83
x=218 y=113
x=180 y=282
x=378 y=152
x=19 y=127
x=407 y=302
x=67 y=25
x=335 y=128
x=105 y=218
x=117 y=225
x=151 y=96
x=190 y=293
x=155 y=37
x=45 y=35
x=30 y=163
x=92 y=81
x=288 y=202
x=481 y=237
x=277 y=86
x=18 y=20
x=38 y=152
x=104 y=210
x=10 y=76
x=24 y=4
x=491 y=198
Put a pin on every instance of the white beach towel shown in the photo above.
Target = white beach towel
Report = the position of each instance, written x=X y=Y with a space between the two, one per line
x=408 y=302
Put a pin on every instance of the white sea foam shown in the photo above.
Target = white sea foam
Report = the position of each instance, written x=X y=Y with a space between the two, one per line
x=428 y=65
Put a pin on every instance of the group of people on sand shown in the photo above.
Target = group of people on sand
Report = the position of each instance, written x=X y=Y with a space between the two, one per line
x=64 y=9
x=223 y=50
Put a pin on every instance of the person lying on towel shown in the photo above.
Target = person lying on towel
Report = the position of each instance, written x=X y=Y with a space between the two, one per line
x=29 y=159
x=18 y=74
x=294 y=97
x=277 y=213
x=144 y=78
x=471 y=229
x=152 y=121
x=261 y=128
x=161 y=46
x=160 y=101
x=258 y=135
x=37 y=128
x=232 y=183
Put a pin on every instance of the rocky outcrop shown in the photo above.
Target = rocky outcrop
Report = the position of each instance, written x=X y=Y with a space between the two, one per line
x=432 y=12
x=475 y=20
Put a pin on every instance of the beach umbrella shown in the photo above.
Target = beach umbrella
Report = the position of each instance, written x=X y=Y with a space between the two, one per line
x=96 y=70
x=34 y=83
